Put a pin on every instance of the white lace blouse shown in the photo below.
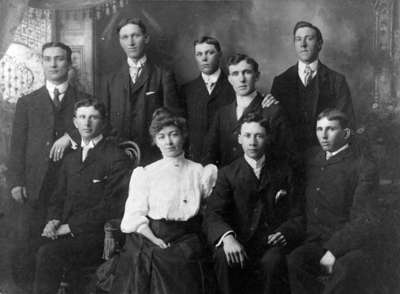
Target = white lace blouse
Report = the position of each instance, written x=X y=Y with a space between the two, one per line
x=170 y=188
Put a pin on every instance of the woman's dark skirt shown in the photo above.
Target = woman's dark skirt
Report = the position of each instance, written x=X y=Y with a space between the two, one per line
x=145 y=268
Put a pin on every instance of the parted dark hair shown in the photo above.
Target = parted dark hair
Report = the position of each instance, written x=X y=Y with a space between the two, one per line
x=306 y=24
x=136 y=21
x=335 y=114
x=59 y=45
x=162 y=117
x=238 y=57
x=99 y=106
x=208 y=40
x=257 y=118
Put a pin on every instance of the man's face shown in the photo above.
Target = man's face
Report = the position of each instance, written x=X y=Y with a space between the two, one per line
x=55 y=64
x=88 y=121
x=253 y=139
x=243 y=78
x=133 y=41
x=306 y=44
x=331 y=135
x=207 y=58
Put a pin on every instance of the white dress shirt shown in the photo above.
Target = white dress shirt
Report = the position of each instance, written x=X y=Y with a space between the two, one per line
x=62 y=88
x=89 y=145
x=331 y=154
x=211 y=80
x=136 y=67
x=170 y=188
x=302 y=66
x=243 y=102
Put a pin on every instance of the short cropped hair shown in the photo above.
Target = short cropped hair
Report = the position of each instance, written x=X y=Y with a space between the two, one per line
x=257 y=118
x=238 y=57
x=162 y=117
x=208 y=40
x=59 y=45
x=136 y=21
x=99 y=106
x=306 y=24
x=335 y=114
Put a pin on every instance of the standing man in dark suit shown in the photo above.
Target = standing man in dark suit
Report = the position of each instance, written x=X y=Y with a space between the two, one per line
x=308 y=87
x=133 y=93
x=251 y=215
x=340 y=224
x=221 y=146
x=93 y=179
x=41 y=133
x=203 y=96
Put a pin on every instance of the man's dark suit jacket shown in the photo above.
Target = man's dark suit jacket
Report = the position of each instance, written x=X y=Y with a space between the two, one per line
x=239 y=200
x=221 y=145
x=332 y=91
x=200 y=107
x=340 y=198
x=91 y=192
x=34 y=134
x=154 y=88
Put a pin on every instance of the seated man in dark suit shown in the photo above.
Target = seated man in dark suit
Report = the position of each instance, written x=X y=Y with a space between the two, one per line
x=203 y=96
x=221 y=146
x=92 y=183
x=308 y=87
x=340 y=198
x=251 y=216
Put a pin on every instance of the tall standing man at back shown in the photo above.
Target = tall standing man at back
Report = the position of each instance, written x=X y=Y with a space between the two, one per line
x=41 y=134
x=203 y=96
x=133 y=93
x=308 y=87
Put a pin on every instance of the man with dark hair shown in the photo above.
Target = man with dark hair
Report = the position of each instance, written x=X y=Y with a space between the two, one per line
x=203 y=96
x=251 y=216
x=133 y=93
x=91 y=186
x=340 y=220
x=41 y=134
x=308 y=87
x=220 y=145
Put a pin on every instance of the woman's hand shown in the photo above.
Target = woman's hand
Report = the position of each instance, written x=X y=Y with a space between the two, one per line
x=160 y=243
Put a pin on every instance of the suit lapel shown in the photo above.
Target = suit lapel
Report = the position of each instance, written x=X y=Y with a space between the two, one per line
x=45 y=107
x=322 y=84
x=70 y=97
x=218 y=86
x=92 y=154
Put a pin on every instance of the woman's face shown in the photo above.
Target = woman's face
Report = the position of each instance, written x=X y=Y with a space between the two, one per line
x=170 y=141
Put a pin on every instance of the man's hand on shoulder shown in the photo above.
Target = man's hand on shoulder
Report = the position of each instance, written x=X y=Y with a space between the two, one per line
x=64 y=229
x=234 y=251
x=268 y=101
x=59 y=147
x=277 y=239
x=327 y=262
x=18 y=193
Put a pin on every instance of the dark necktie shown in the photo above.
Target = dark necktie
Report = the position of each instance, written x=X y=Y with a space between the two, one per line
x=56 y=99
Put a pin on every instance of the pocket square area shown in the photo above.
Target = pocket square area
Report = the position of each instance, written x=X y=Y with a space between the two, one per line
x=150 y=92
x=94 y=181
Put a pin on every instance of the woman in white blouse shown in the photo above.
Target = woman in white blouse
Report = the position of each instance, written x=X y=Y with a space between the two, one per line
x=163 y=245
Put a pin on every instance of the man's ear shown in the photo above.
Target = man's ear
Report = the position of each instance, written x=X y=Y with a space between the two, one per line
x=74 y=121
x=230 y=79
x=257 y=75
x=147 y=39
x=347 y=133
x=240 y=139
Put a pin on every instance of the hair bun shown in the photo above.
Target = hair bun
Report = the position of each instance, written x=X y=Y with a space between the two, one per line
x=161 y=113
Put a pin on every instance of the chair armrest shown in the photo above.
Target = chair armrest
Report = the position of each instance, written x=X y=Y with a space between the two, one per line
x=113 y=238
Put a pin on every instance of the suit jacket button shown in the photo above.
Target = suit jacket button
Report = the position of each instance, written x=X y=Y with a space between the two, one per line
x=318 y=189
x=47 y=143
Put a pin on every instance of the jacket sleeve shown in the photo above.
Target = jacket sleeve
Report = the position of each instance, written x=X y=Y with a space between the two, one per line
x=294 y=227
x=344 y=102
x=170 y=93
x=218 y=206
x=116 y=187
x=16 y=173
x=57 y=199
x=363 y=221
x=211 y=144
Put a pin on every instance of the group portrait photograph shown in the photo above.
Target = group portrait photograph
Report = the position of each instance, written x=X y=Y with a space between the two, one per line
x=199 y=146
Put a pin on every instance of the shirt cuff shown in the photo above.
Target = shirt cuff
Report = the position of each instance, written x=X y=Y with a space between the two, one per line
x=223 y=236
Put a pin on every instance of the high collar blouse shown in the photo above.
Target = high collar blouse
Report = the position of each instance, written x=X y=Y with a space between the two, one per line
x=170 y=188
